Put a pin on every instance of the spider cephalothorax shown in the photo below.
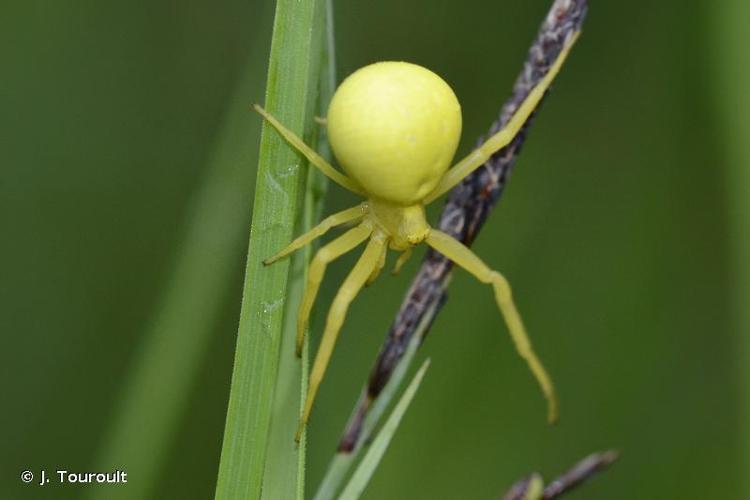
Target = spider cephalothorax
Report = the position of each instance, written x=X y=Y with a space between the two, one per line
x=394 y=127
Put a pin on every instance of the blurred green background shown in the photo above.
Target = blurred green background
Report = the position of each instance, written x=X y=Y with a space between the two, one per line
x=615 y=231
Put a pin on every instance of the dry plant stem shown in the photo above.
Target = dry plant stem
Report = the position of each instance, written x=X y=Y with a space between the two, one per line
x=581 y=472
x=466 y=209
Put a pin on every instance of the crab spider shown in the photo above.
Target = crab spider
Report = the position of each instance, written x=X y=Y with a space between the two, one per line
x=394 y=127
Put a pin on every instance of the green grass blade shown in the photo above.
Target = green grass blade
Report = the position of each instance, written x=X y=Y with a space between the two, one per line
x=375 y=453
x=165 y=366
x=342 y=462
x=280 y=479
x=732 y=74
x=291 y=96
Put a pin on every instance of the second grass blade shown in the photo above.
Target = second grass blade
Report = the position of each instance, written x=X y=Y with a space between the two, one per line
x=371 y=460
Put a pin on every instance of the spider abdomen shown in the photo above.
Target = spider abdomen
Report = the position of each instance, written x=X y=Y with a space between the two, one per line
x=394 y=127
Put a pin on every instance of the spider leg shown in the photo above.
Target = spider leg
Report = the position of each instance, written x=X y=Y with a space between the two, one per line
x=479 y=156
x=376 y=272
x=462 y=256
x=349 y=289
x=401 y=261
x=313 y=157
x=325 y=256
x=349 y=215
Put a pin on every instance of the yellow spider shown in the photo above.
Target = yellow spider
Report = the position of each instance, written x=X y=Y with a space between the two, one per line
x=394 y=127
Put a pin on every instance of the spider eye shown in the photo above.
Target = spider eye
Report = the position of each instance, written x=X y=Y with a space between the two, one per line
x=394 y=127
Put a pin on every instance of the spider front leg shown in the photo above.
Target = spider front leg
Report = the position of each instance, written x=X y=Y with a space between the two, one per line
x=325 y=256
x=349 y=215
x=364 y=268
x=498 y=141
x=465 y=258
x=314 y=158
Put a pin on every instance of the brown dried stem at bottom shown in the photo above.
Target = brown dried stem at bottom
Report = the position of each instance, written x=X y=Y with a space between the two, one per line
x=581 y=472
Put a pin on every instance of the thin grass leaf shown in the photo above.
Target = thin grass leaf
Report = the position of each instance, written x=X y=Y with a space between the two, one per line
x=291 y=96
x=164 y=368
x=280 y=479
x=371 y=460
x=341 y=464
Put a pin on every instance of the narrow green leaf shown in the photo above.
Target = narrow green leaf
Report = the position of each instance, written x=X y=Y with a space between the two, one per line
x=375 y=453
x=340 y=465
x=284 y=474
x=291 y=96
